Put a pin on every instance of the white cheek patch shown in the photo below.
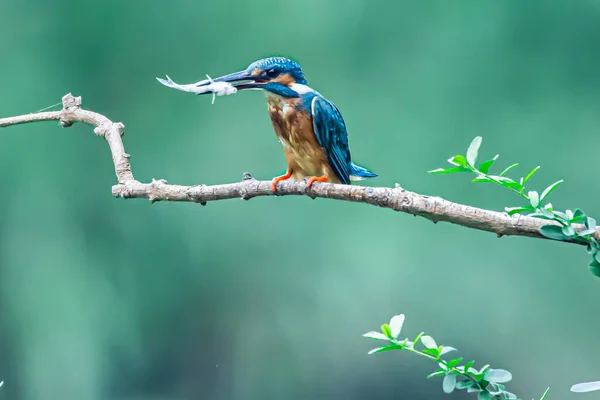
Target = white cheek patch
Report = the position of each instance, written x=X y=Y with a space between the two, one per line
x=301 y=89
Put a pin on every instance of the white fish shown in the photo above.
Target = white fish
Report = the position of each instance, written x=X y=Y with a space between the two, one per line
x=207 y=85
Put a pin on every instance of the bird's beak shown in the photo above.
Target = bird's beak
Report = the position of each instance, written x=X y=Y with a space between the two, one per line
x=240 y=80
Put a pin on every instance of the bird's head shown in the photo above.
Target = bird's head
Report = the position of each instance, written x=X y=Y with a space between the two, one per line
x=277 y=75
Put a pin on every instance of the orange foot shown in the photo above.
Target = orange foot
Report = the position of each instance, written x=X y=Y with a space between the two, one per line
x=278 y=179
x=313 y=179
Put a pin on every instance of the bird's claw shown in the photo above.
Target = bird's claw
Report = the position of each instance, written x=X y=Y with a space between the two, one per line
x=274 y=186
x=312 y=179
x=278 y=179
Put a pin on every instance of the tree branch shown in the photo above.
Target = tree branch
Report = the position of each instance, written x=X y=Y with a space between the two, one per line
x=433 y=208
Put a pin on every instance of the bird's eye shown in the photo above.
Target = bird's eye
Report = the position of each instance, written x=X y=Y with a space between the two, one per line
x=271 y=73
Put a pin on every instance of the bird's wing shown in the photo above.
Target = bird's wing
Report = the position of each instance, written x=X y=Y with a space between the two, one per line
x=331 y=134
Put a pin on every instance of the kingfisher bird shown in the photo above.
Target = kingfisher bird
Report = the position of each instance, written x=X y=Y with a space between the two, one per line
x=309 y=127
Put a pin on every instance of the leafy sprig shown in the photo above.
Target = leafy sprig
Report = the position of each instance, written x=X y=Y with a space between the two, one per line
x=536 y=203
x=487 y=382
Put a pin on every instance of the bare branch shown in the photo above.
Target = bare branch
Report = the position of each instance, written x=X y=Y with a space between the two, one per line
x=72 y=112
x=433 y=208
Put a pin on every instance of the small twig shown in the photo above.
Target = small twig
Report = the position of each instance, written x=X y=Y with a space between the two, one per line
x=398 y=199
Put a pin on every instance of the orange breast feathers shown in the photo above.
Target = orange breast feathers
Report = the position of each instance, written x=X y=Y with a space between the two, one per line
x=294 y=128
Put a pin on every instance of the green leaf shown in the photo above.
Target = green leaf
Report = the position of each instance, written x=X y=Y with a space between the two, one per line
x=586 y=232
x=552 y=232
x=561 y=216
x=485 y=166
x=484 y=370
x=459 y=160
x=496 y=389
x=590 y=248
x=510 y=396
x=508 y=169
x=569 y=231
x=545 y=394
x=569 y=215
x=541 y=215
x=509 y=183
x=578 y=216
x=482 y=179
x=595 y=267
x=418 y=338
x=547 y=211
x=590 y=223
x=586 y=387
x=377 y=350
x=448 y=170
x=445 y=349
x=385 y=348
x=514 y=185
x=530 y=174
x=464 y=384
x=473 y=150
x=428 y=342
x=376 y=335
x=449 y=383
x=467 y=366
x=534 y=198
x=453 y=363
x=396 y=325
x=484 y=395
x=385 y=329
x=432 y=352
x=498 y=375
x=436 y=373
x=517 y=210
x=550 y=189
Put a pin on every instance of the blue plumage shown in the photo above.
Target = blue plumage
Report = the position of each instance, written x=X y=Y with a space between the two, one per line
x=280 y=90
x=358 y=173
x=274 y=66
x=310 y=127
x=328 y=123
x=331 y=133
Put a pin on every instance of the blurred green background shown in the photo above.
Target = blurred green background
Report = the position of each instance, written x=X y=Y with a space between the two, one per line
x=103 y=298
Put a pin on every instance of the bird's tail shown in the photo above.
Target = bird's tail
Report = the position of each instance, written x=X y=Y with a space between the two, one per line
x=358 y=173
